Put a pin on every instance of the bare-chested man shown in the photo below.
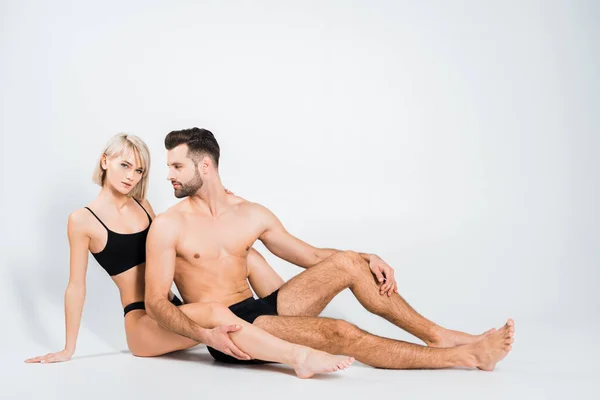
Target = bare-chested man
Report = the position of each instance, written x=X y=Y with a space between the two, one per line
x=204 y=243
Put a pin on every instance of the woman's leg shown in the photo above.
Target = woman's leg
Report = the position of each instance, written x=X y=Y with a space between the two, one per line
x=148 y=339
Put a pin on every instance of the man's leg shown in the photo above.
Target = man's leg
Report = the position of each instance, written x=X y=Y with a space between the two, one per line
x=308 y=293
x=341 y=337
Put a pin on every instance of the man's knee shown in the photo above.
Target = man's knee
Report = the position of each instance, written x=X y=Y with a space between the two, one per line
x=351 y=261
x=344 y=333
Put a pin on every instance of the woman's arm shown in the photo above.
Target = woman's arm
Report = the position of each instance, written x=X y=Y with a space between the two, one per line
x=79 y=243
x=263 y=278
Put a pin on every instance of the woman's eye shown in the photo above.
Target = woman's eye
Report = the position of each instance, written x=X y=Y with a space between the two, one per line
x=124 y=165
x=139 y=171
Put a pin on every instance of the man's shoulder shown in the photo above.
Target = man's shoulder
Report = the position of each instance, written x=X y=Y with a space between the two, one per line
x=249 y=206
x=170 y=216
x=176 y=211
x=257 y=212
x=167 y=222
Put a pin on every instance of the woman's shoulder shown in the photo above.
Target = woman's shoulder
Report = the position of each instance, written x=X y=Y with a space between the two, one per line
x=79 y=220
x=146 y=204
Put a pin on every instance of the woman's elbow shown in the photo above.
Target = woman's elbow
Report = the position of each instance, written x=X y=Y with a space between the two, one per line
x=75 y=288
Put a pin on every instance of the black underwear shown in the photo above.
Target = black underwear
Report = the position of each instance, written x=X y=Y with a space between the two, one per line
x=139 y=305
x=248 y=310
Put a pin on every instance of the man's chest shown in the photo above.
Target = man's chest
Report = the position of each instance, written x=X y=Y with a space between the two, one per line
x=204 y=239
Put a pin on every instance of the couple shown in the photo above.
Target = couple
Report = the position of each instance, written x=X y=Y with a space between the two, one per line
x=204 y=244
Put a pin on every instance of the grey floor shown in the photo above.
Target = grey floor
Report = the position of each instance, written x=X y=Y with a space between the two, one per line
x=552 y=360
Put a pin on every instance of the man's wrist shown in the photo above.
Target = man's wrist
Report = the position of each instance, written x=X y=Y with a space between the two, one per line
x=202 y=336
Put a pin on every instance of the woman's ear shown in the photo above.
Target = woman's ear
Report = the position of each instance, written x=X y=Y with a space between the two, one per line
x=103 y=162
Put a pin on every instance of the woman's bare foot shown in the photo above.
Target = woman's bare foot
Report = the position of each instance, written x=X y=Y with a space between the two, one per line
x=308 y=362
x=449 y=338
x=494 y=347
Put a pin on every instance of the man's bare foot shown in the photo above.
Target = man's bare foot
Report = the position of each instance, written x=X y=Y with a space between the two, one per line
x=494 y=347
x=308 y=362
x=449 y=338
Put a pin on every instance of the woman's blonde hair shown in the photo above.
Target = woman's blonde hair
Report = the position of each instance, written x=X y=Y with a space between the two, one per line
x=123 y=143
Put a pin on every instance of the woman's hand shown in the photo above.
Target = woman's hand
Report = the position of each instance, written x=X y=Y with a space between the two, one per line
x=61 y=356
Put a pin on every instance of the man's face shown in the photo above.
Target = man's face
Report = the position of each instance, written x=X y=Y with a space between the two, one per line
x=183 y=173
x=123 y=172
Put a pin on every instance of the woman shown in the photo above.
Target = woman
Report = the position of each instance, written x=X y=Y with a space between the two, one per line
x=114 y=228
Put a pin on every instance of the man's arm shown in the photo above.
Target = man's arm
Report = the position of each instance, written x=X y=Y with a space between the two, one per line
x=161 y=247
x=160 y=270
x=284 y=245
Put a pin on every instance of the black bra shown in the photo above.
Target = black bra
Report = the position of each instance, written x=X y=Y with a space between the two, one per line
x=123 y=251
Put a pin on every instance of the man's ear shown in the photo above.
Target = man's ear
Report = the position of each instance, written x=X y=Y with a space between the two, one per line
x=205 y=164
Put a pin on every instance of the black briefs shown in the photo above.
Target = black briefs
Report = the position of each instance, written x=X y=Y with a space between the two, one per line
x=139 y=305
x=248 y=310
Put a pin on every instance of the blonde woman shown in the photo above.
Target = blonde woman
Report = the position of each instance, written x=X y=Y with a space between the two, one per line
x=113 y=227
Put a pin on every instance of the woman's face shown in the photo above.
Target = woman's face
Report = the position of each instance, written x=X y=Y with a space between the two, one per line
x=123 y=172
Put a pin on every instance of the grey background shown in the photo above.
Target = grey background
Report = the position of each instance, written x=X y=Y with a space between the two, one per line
x=457 y=140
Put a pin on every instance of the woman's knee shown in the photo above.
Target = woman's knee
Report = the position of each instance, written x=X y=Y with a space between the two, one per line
x=220 y=314
x=139 y=353
x=208 y=315
x=142 y=351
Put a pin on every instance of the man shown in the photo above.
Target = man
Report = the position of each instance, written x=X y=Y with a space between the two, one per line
x=204 y=242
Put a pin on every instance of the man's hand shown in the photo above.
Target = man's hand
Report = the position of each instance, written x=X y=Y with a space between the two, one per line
x=384 y=274
x=218 y=338
x=63 y=355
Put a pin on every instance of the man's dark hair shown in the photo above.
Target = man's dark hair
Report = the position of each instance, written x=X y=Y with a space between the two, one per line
x=200 y=142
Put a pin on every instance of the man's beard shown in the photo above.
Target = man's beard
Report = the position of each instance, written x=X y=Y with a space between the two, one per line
x=190 y=187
